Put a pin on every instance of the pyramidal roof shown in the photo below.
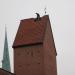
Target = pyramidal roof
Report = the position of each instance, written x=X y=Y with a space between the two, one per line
x=31 y=31
x=6 y=59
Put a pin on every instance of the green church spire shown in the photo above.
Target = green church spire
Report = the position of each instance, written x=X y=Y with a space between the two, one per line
x=6 y=59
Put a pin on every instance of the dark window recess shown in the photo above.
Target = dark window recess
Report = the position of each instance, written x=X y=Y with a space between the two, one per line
x=32 y=54
x=28 y=64
x=38 y=62
x=28 y=52
x=38 y=51
x=20 y=66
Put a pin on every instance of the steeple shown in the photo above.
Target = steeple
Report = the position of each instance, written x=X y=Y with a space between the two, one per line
x=6 y=59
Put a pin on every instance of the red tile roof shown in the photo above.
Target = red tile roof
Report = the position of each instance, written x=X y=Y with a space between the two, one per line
x=30 y=31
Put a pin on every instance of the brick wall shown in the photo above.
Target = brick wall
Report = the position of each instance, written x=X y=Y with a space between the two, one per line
x=29 y=60
x=49 y=52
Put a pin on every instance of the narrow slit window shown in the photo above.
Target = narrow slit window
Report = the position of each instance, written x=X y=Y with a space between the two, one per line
x=32 y=54
x=38 y=62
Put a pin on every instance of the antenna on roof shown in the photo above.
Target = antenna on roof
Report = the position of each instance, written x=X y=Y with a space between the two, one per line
x=45 y=10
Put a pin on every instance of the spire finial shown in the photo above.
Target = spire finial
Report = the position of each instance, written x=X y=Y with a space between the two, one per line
x=5 y=30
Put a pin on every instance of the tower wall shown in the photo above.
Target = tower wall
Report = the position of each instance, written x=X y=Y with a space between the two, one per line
x=29 y=60
x=49 y=52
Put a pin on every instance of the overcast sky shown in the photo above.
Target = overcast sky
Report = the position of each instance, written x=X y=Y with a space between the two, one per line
x=62 y=17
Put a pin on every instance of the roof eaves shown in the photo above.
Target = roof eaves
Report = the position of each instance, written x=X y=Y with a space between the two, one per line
x=26 y=45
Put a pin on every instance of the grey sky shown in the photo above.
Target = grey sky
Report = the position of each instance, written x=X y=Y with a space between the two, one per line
x=62 y=17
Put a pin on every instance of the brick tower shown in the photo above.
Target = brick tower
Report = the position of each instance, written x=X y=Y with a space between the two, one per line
x=34 y=48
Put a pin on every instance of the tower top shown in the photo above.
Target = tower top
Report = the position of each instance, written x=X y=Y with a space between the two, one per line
x=31 y=32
